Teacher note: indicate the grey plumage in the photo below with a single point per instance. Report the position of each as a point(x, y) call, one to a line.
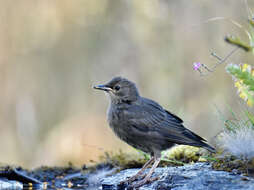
point(143, 123)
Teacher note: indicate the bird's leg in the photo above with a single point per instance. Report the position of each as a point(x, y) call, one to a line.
point(148, 178)
point(147, 164)
point(133, 178)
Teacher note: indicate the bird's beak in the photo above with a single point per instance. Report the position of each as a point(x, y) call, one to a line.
point(102, 87)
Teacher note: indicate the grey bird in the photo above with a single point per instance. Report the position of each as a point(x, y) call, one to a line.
point(145, 125)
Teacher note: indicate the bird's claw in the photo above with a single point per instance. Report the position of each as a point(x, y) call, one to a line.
point(131, 179)
point(142, 182)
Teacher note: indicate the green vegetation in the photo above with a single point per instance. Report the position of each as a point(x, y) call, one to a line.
point(236, 141)
point(243, 75)
point(177, 156)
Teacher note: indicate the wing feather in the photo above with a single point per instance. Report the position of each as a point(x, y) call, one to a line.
point(154, 119)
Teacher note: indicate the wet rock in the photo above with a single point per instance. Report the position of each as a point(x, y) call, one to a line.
point(6, 184)
point(197, 176)
point(15, 178)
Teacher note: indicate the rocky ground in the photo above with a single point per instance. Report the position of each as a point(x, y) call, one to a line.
point(198, 176)
point(191, 176)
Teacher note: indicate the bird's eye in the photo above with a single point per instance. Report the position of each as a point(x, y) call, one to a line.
point(117, 88)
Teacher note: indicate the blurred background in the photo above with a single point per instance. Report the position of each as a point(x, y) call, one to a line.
point(52, 52)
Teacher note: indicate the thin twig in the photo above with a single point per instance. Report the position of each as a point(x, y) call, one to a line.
point(225, 58)
point(173, 161)
point(216, 56)
point(221, 61)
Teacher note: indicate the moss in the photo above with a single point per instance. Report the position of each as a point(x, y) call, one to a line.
point(187, 154)
point(230, 163)
point(177, 156)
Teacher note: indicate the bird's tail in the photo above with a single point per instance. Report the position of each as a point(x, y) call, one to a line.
point(198, 141)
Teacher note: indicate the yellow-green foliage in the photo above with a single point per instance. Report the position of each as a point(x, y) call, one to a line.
point(176, 156)
point(185, 154)
point(123, 160)
point(244, 81)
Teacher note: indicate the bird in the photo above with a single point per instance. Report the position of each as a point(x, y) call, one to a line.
point(145, 125)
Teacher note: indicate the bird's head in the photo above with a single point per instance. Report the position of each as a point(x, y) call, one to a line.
point(120, 90)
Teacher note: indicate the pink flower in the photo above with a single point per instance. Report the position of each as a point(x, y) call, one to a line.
point(196, 65)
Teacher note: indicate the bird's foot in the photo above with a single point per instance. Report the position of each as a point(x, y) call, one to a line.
point(131, 179)
point(143, 182)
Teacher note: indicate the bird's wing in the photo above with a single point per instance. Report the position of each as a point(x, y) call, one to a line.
point(154, 119)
